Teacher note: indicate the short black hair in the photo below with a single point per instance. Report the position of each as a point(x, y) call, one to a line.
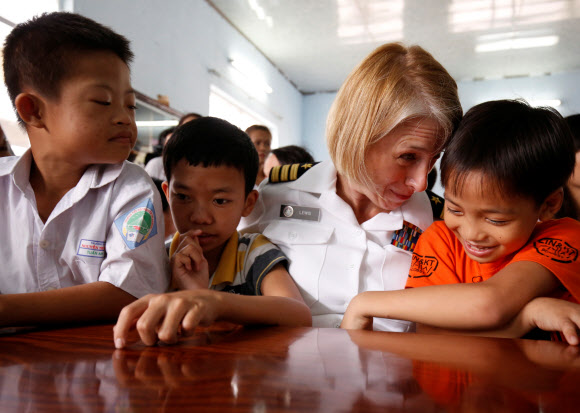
point(290, 154)
point(40, 52)
point(431, 178)
point(159, 185)
point(521, 150)
point(573, 122)
point(212, 142)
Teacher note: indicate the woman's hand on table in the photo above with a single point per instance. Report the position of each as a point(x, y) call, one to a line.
point(165, 317)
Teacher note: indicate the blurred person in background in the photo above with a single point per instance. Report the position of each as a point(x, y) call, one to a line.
point(262, 139)
point(286, 155)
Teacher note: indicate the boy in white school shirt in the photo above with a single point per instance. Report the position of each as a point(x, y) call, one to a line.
point(82, 229)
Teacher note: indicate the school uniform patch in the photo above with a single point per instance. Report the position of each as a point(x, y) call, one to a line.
point(406, 238)
point(556, 250)
point(422, 266)
point(90, 248)
point(139, 225)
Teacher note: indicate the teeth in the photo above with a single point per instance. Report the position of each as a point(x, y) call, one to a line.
point(473, 247)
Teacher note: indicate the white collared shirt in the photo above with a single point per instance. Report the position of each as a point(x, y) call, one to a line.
point(334, 258)
point(109, 227)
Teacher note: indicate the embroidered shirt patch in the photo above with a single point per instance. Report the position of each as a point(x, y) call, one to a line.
point(138, 225)
point(406, 238)
point(89, 248)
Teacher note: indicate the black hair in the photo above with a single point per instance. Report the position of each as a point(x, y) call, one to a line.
point(290, 154)
point(521, 150)
point(212, 142)
point(40, 52)
point(431, 178)
point(188, 115)
point(158, 183)
point(573, 122)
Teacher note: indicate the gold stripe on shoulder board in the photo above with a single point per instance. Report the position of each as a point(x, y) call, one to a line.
point(288, 173)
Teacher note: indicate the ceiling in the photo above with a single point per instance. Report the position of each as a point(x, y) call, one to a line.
point(316, 43)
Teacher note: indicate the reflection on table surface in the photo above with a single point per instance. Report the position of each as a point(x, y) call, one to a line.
point(230, 368)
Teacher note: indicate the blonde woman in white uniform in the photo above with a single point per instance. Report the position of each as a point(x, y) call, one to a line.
point(349, 225)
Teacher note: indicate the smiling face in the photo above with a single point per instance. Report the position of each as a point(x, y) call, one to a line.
point(92, 121)
point(209, 199)
point(398, 163)
point(489, 226)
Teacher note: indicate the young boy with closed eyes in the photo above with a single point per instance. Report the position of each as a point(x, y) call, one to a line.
point(497, 249)
point(211, 167)
point(82, 229)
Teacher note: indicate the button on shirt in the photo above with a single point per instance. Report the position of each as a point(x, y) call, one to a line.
point(334, 258)
point(89, 236)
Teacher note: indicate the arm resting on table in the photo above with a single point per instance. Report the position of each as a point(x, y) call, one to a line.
point(482, 306)
point(98, 301)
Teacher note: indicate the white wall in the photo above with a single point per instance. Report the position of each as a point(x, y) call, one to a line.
point(175, 44)
point(315, 109)
point(563, 86)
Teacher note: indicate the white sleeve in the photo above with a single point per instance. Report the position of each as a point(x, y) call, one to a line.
point(136, 260)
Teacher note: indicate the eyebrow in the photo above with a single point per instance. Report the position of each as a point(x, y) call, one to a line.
point(179, 185)
point(488, 210)
point(406, 146)
point(103, 86)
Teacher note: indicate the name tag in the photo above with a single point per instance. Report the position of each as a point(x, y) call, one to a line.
point(90, 248)
point(299, 212)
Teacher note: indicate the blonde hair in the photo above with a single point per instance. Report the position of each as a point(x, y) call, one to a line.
point(391, 85)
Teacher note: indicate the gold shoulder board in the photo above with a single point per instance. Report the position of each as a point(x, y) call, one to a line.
point(287, 173)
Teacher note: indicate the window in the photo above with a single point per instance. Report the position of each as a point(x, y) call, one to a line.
point(221, 105)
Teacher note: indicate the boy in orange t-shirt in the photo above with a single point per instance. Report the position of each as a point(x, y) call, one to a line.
point(503, 171)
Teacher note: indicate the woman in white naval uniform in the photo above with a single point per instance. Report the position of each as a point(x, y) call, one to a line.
point(349, 225)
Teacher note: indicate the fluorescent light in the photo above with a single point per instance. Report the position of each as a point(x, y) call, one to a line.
point(517, 43)
point(545, 102)
point(251, 76)
point(152, 123)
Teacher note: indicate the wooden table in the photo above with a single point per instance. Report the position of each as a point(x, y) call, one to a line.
point(277, 369)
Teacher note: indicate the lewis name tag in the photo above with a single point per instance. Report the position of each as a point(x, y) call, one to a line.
point(299, 212)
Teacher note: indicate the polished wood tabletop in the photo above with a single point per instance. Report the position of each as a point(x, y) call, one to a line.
point(274, 369)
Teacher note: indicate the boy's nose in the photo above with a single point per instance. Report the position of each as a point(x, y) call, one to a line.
point(201, 216)
point(124, 116)
point(471, 232)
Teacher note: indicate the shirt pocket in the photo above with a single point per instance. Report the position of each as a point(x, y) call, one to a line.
point(305, 245)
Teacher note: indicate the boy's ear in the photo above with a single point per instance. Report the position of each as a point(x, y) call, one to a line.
point(551, 205)
point(251, 200)
point(30, 109)
point(165, 187)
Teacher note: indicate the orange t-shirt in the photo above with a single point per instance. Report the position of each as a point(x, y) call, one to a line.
point(439, 257)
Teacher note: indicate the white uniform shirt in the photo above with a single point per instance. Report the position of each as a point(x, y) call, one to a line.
point(109, 227)
point(332, 259)
point(155, 168)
